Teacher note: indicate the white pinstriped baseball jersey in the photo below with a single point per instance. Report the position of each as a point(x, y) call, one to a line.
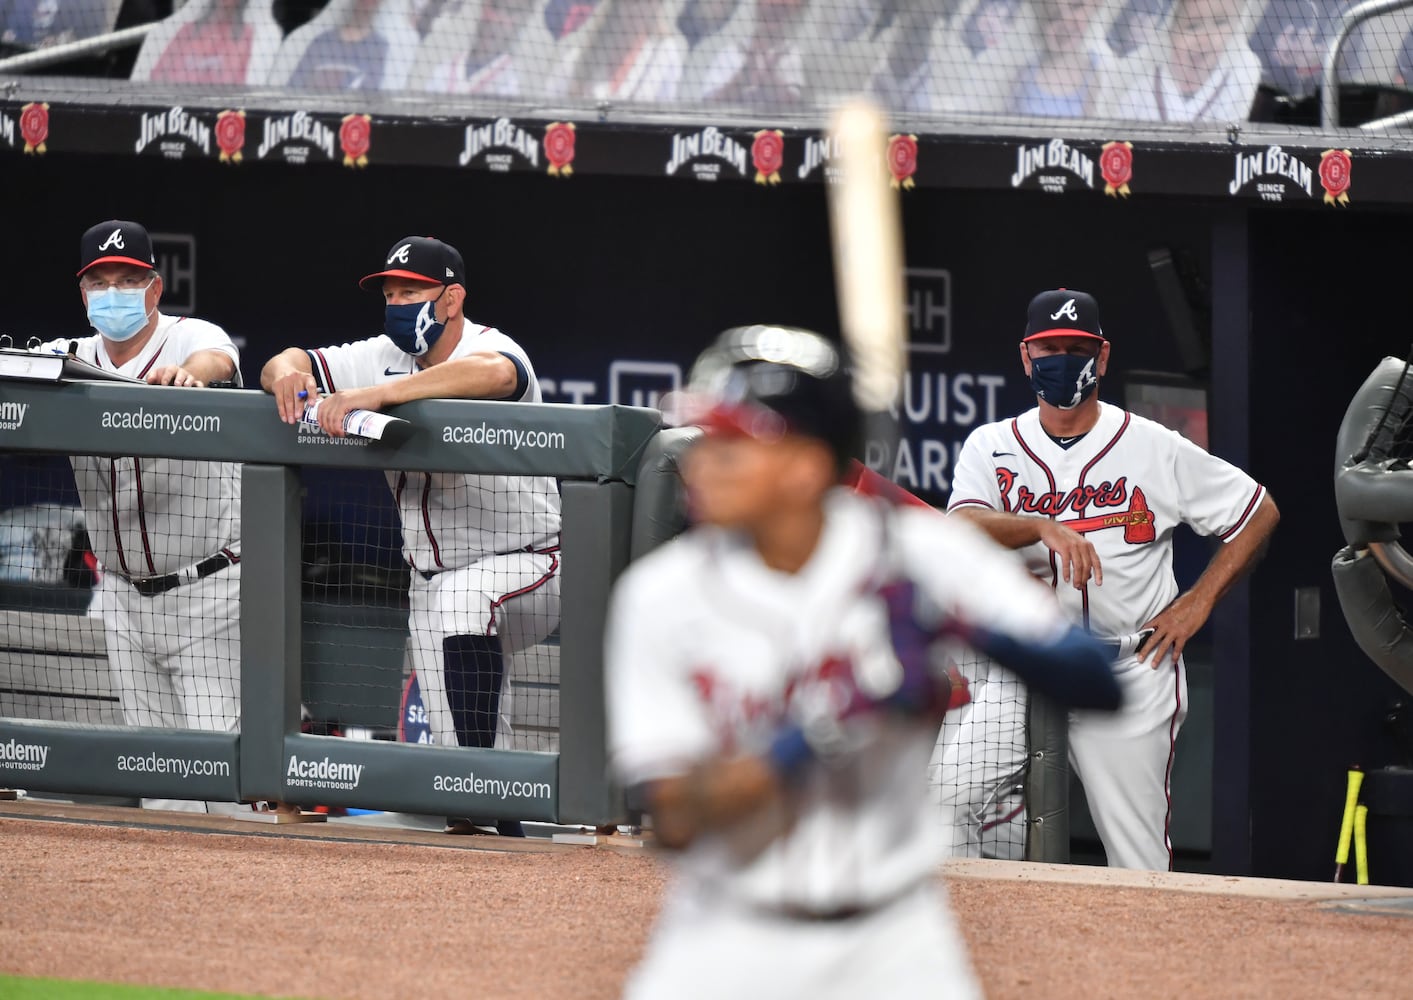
point(708, 648)
point(153, 516)
point(451, 520)
point(1126, 485)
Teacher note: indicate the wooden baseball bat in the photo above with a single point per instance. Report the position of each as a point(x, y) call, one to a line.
point(1346, 828)
point(867, 233)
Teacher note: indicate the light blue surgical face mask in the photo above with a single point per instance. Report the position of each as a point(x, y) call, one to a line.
point(119, 313)
point(413, 327)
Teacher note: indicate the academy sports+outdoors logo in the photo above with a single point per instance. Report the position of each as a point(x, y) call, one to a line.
point(325, 773)
point(17, 756)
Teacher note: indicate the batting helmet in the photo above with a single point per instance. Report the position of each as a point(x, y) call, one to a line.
point(767, 381)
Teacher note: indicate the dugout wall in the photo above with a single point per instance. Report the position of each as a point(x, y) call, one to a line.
point(613, 283)
point(596, 458)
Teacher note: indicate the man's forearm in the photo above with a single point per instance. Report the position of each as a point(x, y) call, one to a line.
point(479, 376)
point(1012, 531)
point(288, 360)
point(711, 795)
point(211, 366)
point(1236, 558)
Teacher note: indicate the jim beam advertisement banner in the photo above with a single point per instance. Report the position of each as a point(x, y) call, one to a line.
point(505, 145)
point(1277, 174)
point(175, 133)
point(1056, 166)
point(297, 137)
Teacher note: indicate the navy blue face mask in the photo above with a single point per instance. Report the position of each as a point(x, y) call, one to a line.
point(1064, 380)
point(413, 327)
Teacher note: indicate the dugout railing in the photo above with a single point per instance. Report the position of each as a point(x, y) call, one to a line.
point(597, 452)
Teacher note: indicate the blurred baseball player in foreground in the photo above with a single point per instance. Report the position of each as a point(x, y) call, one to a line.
point(167, 531)
point(1090, 494)
point(775, 681)
point(484, 550)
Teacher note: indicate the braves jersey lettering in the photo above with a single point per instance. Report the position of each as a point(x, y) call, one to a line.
point(1054, 503)
point(1125, 486)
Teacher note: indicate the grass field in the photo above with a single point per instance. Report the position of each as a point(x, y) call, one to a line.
point(15, 988)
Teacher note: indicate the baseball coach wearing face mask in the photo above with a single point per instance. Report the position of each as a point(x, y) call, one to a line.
point(483, 550)
point(167, 531)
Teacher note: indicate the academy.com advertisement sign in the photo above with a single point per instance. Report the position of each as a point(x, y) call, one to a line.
point(421, 778)
point(179, 765)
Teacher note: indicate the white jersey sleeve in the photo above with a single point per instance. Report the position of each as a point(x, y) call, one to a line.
point(190, 335)
point(656, 724)
point(974, 481)
point(1215, 497)
point(351, 366)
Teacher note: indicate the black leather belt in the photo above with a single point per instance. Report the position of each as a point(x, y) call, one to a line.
point(153, 585)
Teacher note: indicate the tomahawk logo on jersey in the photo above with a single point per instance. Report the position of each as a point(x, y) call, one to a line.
point(1125, 485)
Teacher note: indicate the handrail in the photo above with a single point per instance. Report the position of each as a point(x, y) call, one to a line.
point(40, 58)
point(1329, 85)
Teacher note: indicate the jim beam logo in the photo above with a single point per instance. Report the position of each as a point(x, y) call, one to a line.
point(1116, 165)
point(230, 135)
point(1053, 165)
point(559, 149)
point(500, 145)
point(768, 155)
point(1271, 173)
point(297, 137)
point(709, 153)
point(173, 133)
point(34, 127)
point(1335, 168)
point(820, 152)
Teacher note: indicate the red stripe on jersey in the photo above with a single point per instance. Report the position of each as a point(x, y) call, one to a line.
point(231, 556)
point(1250, 507)
point(152, 361)
point(1102, 452)
point(1168, 773)
point(142, 517)
point(117, 532)
point(970, 502)
point(427, 519)
point(397, 502)
point(549, 575)
point(1003, 819)
point(327, 376)
point(1050, 476)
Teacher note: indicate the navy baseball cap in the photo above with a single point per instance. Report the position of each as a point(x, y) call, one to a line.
point(1063, 312)
point(421, 258)
point(116, 242)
